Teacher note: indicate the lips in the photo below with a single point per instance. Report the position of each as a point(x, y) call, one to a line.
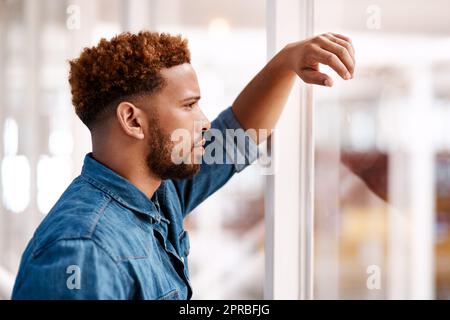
point(201, 143)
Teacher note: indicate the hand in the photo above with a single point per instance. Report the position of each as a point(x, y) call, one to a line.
point(332, 49)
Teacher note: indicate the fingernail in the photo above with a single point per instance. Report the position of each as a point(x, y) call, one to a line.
point(328, 83)
point(348, 76)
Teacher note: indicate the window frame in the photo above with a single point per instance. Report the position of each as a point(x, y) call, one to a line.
point(289, 203)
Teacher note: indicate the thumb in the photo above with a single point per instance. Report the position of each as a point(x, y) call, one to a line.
point(316, 77)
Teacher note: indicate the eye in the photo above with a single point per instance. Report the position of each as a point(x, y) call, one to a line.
point(191, 105)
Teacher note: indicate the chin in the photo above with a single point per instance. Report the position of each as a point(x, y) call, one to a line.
point(180, 172)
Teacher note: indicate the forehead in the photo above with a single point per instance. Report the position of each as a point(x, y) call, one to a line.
point(181, 81)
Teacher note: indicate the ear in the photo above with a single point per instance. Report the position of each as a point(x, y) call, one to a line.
point(130, 119)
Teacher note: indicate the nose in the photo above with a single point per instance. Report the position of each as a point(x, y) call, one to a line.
point(206, 124)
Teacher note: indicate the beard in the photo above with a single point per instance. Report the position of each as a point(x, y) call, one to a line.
point(159, 160)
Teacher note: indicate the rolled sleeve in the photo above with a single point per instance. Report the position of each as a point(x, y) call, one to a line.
point(243, 149)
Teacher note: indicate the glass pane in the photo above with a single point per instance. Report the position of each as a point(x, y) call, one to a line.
point(382, 154)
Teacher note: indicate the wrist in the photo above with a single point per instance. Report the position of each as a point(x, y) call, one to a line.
point(282, 62)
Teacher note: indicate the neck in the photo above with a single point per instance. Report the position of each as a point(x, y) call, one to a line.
point(129, 167)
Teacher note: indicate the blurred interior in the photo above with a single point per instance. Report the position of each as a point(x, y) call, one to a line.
point(389, 126)
point(43, 143)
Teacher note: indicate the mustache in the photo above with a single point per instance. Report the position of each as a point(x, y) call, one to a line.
point(199, 141)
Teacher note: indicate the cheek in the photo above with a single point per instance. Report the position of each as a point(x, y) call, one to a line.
point(181, 139)
point(187, 124)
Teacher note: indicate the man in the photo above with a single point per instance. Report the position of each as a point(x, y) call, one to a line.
point(117, 231)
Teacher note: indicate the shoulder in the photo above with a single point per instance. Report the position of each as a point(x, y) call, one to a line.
point(85, 212)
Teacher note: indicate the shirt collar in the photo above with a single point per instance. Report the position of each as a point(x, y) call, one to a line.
point(120, 189)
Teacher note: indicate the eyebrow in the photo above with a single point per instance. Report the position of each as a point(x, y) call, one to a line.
point(191, 98)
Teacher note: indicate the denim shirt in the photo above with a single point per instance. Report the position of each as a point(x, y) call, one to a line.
point(105, 239)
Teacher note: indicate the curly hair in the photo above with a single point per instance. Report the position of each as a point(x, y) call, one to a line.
point(119, 69)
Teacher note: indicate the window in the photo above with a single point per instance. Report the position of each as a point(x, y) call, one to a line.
point(374, 152)
point(391, 119)
point(358, 202)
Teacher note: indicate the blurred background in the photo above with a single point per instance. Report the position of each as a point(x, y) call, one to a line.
point(43, 143)
point(382, 219)
point(391, 126)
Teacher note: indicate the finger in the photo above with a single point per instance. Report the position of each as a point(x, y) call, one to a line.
point(340, 36)
point(348, 46)
point(330, 59)
point(315, 77)
point(344, 43)
point(347, 40)
point(340, 51)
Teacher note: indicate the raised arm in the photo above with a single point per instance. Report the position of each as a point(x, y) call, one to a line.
point(260, 104)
